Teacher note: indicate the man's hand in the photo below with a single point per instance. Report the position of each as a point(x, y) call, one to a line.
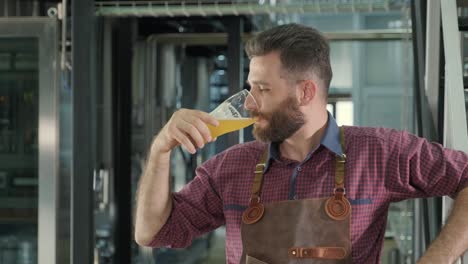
point(187, 128)
point(154, 200)
point(452, 241)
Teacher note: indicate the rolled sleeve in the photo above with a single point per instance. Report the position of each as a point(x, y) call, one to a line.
point(196, 209)
point(464, 181)
point(419, 168)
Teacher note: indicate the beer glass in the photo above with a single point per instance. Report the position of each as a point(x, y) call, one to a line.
point(233, 113)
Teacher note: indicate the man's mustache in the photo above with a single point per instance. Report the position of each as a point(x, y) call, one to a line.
point(256, 114)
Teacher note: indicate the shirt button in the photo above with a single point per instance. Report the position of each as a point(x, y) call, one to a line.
point(299, 168)
point(295, 197)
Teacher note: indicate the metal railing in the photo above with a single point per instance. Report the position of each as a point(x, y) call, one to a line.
point(187, 8)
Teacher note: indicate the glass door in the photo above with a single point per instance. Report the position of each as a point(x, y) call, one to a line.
point(19, 112)
point(28, 140)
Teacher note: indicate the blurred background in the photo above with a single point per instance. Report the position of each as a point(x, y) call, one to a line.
point(85, 85)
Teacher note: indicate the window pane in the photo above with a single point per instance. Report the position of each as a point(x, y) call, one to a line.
point(344, 113)
point(341, 61)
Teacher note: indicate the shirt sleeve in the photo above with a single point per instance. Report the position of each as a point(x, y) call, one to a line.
point(196, 209)
point(417, 168)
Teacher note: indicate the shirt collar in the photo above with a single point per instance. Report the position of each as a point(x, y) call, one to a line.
point(330, 140)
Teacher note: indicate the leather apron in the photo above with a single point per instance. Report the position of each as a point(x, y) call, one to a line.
point(312, 231)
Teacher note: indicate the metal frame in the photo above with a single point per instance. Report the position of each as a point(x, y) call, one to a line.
point(455, 132)
point(83, 135)
point(190, 39)
point(424, 123)
point(121, 142)
point(45, 30)
point(235, 71)
point(433, 205)
point(186, 8)
point(432, 58)
point(419, 47)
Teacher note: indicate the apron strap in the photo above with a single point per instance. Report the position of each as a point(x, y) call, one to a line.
point(256, 209)
point(340, 165)
point(317, 252)
point(258, 180)
point(339, 171)
point(338, 207)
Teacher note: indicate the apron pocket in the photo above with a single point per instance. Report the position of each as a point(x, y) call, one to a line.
point(252, 260)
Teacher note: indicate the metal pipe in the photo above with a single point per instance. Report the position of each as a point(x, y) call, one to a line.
point(5, 9)
point(242, 7)
point(201, 39)
point(168, 84)
point(63, 14)
point(18, 9)
point(432, 58)
point(35, 8)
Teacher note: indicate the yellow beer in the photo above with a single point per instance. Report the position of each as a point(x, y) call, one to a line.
point(229, 125)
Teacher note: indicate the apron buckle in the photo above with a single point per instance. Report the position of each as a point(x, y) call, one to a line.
point(255, 199)
point(259, 168)
point(340, 190)
point(342, 158)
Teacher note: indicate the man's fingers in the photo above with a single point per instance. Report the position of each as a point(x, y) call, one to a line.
point(185, 142)
point(201, 120)
point(190, 129)
point(208, 119)
point(194, 133)
point(203, 129)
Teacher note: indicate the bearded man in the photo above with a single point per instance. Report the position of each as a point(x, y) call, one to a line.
point(306, 191)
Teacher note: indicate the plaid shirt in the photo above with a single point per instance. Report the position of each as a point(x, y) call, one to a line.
point(383, 166)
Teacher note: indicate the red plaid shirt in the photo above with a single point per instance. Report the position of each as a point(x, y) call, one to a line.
point(383, 166)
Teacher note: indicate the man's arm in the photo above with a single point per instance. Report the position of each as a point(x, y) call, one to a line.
point(452, 241)
point(154, 201)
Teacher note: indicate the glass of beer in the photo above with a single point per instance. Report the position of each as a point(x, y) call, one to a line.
point(233, 113)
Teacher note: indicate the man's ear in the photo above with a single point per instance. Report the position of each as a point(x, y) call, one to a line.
point(307, 92)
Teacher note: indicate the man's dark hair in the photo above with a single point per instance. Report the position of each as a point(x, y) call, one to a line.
point(302, 49)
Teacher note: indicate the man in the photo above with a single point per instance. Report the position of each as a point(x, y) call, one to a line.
point(319, 194)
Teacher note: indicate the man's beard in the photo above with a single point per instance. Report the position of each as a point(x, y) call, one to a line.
point(282, 122)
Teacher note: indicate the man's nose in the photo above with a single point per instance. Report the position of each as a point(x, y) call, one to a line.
point(251, 103)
